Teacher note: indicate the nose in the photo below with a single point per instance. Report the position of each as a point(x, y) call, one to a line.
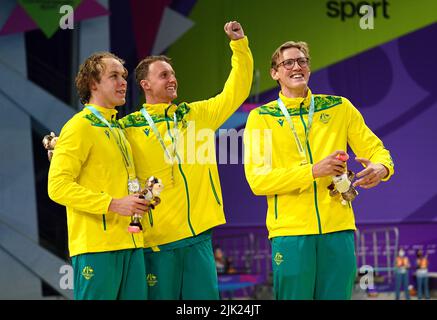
point(296, 66)
point(123, 81)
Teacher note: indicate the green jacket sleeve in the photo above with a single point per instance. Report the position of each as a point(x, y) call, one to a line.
point(215, 111)
point(364, 143)
point(263, 176)
point(71, 152)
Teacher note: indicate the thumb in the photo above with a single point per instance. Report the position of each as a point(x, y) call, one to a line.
point(365, 162)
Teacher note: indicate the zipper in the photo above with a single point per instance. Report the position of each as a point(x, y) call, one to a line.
point(213, 188)
point(314, 182)
point(187, 194)
point(276, 206)
point(104, 221)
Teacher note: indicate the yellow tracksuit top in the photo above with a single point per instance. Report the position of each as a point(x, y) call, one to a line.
point(298, 204)
point(86, 172)
point(192, 201)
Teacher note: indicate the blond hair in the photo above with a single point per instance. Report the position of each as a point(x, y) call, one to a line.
point(301, 45)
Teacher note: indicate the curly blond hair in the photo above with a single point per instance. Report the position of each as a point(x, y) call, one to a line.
point(91, 71)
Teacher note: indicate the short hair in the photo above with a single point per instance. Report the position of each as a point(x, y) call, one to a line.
point(301, 45)
point(91, 70)
point(142, 69)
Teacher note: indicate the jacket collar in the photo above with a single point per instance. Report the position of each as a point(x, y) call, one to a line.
point(294, 103)
point(160, 109)
point(108, 114)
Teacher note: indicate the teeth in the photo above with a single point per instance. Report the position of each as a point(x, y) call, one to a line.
point(297, 76)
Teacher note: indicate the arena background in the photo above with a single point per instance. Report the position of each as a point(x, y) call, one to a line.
point(387, 72)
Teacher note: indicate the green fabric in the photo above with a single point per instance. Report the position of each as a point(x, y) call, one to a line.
point(187, 273)
point(319, 267)
point(110, 275)
point(183, 242)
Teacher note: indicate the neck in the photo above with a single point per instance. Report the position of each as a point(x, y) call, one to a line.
point(153, 100)
point(295, 93)
point(100, 103)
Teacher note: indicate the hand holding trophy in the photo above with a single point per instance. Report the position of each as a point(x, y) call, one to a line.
point(49, 143)
point(342, 184)
point(151, 193)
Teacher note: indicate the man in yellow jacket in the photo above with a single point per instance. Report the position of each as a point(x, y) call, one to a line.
point(176, 144)
point(92, 173)
point(292, 150)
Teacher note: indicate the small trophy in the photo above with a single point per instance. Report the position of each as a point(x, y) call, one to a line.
point(49, 143)
point(342, 184)
point(151, 194)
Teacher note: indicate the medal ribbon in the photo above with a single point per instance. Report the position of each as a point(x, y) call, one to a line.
point(158, 135)
point(121, 141)
point(299, 146)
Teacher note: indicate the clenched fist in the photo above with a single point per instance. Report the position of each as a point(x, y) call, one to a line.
point(234, 30)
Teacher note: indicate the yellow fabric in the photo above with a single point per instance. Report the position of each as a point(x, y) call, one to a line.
point(298, 204)
point(192, 202)
point(86, 171)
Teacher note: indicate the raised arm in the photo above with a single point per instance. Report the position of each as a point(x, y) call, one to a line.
point(215, 111)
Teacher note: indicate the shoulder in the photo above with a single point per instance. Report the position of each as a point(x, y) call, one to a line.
point(271, 108)
point(182, 110)
point(134, 119)
point(326, 101)
point(80, 121)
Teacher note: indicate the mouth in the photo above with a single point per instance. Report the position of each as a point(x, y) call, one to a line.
point(171, 88)
point(298, 76)
point(122, 92)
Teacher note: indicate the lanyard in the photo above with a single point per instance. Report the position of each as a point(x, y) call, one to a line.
point(121, 142)
point(300, 148)
point(158, 135)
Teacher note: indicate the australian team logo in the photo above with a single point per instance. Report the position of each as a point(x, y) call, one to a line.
point(325, 117)
point(278, 258)
point(87, 272)
point(151, 279)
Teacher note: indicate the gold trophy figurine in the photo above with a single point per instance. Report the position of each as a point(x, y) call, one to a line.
point(49, 143)
point(151, 194)
point(342, 184)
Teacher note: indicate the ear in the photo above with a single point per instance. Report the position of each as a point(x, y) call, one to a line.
point(145, 84)
point(274, 74)
point(93, 86)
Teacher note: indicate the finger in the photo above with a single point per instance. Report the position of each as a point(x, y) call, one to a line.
point(364, 182)
point(369, 185)
point(236, 27)
point(364, 172)
point(338, 170)
point(141, 208)
point(337, 162)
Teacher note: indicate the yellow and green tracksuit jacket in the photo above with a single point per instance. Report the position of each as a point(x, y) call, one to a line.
point(86, 172)
point(298, 204)
point(192, 201)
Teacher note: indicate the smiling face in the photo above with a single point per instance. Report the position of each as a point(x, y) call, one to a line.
point(160, 85)
point(110, 91)
point(293, 80)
